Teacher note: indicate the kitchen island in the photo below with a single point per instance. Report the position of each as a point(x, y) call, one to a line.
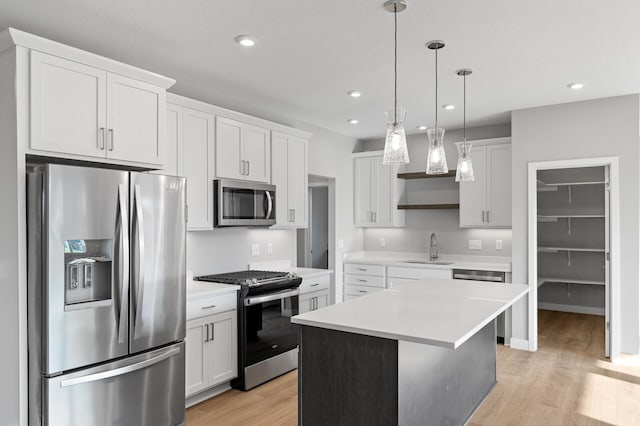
point(419, 354)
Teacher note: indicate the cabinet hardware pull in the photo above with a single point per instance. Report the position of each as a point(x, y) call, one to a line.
point(111, 141)
point(362, 269)
point(362, 291)
point(101, 138)
point(213, 336)
point(482, 216)
point(207, 332)
point(488, 220)
point(209, 307)
point(314, 285)
point(362, 281)
point(248, 168)
point(294, 214)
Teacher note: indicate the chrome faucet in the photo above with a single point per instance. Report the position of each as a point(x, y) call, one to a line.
point(433, 248)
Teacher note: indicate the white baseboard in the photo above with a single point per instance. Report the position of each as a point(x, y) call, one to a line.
point(625, 359)
point(206, 394)
point(589, 310)
point(520, 344)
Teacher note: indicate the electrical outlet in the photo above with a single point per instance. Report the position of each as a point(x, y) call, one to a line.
point(383, 241)
point(498, 244)
point(475, 244)
point(269, 248)
point(255, 249)
point(341, 244)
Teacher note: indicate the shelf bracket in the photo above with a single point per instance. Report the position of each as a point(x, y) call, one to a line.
point(569, 290)
point(568, 226)
point(569, 258)
point(569, 191)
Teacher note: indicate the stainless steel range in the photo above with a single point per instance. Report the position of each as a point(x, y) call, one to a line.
point(267, 340)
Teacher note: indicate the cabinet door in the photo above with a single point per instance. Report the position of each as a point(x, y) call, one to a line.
point(297, 182)
point(279, 177)
point(305, 303)
point(229, 149)
point(196, 362)
point(223, 348)
point(384, 210)
point(135, 120)
point(363, 190)
point(198, 163)
point(322, 299)
point(257, 153)
point(173, 164)
point(67, 106)
point(499, 185)
point(473, 194)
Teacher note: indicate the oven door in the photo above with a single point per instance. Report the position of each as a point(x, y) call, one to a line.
point(268, 328)
point(240, 203)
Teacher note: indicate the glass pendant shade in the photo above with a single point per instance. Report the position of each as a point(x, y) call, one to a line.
point(464, 171)
point(395, 143)
point(436, 158)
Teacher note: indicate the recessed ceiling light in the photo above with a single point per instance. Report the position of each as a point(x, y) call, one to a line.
point(246, 40)
point(448, 107)
point(353, 121)
point(421, 127)
point(575, 86)
point(354, 93)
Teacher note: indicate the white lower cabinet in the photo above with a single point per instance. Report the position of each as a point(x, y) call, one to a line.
point(211, 350)
point(314, 293)
point(400, 275)
point(361, 279)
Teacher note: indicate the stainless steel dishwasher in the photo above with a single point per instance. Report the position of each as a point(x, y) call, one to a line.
point(492, 276)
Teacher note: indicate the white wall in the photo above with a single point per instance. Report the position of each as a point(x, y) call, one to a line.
point(596, 128)
point(445, 223)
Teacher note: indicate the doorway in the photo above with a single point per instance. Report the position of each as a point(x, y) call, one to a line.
point(315, 244)
point(573, 240)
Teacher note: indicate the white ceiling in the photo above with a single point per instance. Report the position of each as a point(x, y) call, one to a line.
point(310, 52)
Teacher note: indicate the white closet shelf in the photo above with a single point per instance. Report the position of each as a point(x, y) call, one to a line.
point(545, 249)
point(542, 280)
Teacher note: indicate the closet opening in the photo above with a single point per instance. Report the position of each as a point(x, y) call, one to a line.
point(570, 258)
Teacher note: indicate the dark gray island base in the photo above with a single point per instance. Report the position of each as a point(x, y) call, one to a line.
point(355, 379)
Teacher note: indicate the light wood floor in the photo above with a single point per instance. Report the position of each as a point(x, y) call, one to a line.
point(566, 382)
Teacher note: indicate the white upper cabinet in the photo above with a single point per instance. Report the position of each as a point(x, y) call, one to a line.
point(486, 202)
point(135, 120)
point(68, 106)
point(190, 153)
point(289, 175)
point(377, 191)
point(81, 111)
point(243, 151)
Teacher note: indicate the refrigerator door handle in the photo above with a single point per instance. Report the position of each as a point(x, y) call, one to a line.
point(120, 371)
point(123, 261)
point(139, 285)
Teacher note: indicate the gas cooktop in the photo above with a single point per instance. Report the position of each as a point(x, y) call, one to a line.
point(251, 278)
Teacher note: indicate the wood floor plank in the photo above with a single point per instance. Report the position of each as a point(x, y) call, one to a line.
point(568, 381)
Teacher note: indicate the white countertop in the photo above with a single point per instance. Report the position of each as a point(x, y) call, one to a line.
point(200, 289)
point(435, 312)
point(483, 263)
point(310, 272)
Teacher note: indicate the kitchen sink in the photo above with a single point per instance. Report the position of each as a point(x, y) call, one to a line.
point(426, 262)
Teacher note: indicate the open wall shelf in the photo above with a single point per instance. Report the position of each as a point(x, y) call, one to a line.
point(423, 175)
point(428, 206)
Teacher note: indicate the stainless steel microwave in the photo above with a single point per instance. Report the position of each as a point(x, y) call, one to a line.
point(240, 203)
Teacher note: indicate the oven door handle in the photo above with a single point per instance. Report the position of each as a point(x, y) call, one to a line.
point(250, 301)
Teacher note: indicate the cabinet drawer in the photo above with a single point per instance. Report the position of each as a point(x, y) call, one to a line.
point(418, 273)
point(366, 280)
point(363, 269)
point(314, 284)
point(359, 290)
point(211, 305)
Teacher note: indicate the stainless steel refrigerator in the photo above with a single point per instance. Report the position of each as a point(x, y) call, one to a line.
point(106, 274)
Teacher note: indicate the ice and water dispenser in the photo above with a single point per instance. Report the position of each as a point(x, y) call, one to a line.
point(88, 269)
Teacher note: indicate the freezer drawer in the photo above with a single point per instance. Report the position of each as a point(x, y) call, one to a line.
point(146, 389)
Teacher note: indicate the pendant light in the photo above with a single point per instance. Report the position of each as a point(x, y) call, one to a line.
point(436, 158)
point(395, 143)
point(464, 171)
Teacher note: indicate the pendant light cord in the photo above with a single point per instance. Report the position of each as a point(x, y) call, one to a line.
point(464, 110)
point(395, 65)
point(436, 127)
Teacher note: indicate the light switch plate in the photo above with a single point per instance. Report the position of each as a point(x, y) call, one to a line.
point(383, 241)
point(340, 243)
point(269, 248)
point(255, 249)
point(475, 244)
point(498, 244)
